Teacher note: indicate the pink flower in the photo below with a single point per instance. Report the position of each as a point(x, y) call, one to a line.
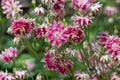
point(81, 76)
point(115, 77)
point(110, 11)
point(30, 65)
point(53, 62)
point(40, 32)
point(59, 1)
point(91, 1)
point(22, 27)
point(56, 34)
point(6, 76)
point(39, 11)
point(82, 21)
point(102, 37)
point(81, 4)
point(95, 7)
point(11, 8)
point(9, 54)
point(21, 74)
point(57, 9)
point(75, 34)
point(63, 66)
point(113, 45)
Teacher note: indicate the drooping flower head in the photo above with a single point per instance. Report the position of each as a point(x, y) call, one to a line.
point(53, 62)
point(22, 26)
point(40, 31)
point(81, 4)
point(11, 7)
point(113, 45)
point(95, 7)
point(91, 1)
point(30, 64)
point(56, 34)
point(110, 11)
point(6, 76)
point(20, 74)
point(102, 37)
point(82, 76)
point(75, 34)
point(9, 54)
point(39, 11)
point(57, 9)
point(59, 1)
point(82, 21)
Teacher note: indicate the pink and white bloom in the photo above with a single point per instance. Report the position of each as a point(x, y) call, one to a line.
point(59, 1)
point(82, 76)
point(21, 74)
point(57, 9)
point(53, 62)
point(9, 54)
point(39, 11)
point(30, 64)
point(40, 31)
point(22, 26)
point(115, 77)
point(95, 7)
point(75, 34)
point(113, 45)
point(6, 76)
point(102, 37)
point(91, 1)
point(81, 4)
point(82, 21)
point(11, 8)
point(110, 11)
point(56, 34)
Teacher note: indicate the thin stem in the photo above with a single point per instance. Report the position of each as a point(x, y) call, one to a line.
point(29, 46)
point(30, 75)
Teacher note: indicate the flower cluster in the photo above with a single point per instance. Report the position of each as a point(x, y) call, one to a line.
point(63, 43)
point(11, 8)
point(13, 76)
point(85, 5)
point(9, 54)
point(110, 11)
point(54, 62)
point(22, 26)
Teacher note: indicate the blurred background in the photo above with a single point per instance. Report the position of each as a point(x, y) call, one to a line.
point(102, 22)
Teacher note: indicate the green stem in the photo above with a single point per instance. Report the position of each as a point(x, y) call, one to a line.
point(30, 75)
point(29, 46)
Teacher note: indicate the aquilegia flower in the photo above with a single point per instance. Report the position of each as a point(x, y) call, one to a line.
point(6, 76)
point(95, 7)
point(11, 7)
point(21, 74)
point(22, 26)
point(81, 4)
point(57, 8)
point(40, 31)
point(53, 62)
point(82, 21)
point(9, 54)
point(102, 37)
point(75, 34)
point(110, 11)
point(113, 45)
point(56, 34)
point(39, 11)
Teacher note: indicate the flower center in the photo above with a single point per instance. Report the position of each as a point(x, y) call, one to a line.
point(57, 34)
point(115, 46)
